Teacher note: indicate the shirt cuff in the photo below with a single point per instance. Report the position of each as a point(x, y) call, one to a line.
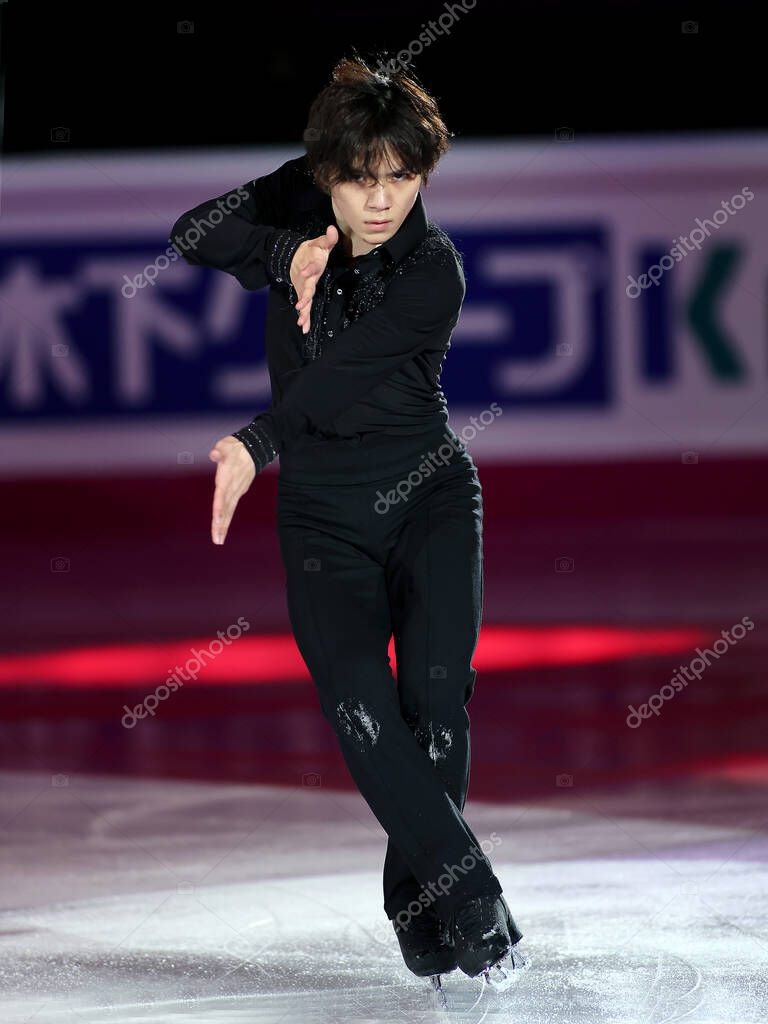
point(281, 248)
point(259, 440)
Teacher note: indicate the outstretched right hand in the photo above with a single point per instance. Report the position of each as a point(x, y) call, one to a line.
point(307, 266)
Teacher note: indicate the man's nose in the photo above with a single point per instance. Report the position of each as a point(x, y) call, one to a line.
point(379, 200)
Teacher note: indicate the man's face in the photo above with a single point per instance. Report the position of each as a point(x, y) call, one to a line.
point(358, 204)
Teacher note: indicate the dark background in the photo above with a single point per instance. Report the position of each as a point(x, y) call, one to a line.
point(123, 77)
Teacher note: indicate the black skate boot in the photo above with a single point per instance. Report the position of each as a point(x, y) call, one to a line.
point(483, 932)
point(425, 945)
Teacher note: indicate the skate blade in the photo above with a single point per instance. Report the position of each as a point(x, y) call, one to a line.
point(507, 971)
point(439, 991)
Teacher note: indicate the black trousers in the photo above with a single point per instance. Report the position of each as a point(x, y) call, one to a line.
point(398, 556)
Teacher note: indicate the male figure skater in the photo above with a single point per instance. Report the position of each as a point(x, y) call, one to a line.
point(379, 510)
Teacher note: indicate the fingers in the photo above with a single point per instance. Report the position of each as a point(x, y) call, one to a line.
point(308, 287)
point(222, 515)
point(303, 320)
point(327, 240)
point(308, 290)
point(224, 503)
point(304, 305)
point(306, 297)
point(304, 316)
point(311, 272)
point(221, 520)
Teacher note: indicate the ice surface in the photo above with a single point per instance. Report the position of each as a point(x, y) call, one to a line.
point(128, 900)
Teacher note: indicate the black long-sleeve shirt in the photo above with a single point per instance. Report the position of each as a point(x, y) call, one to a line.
point(364, 383)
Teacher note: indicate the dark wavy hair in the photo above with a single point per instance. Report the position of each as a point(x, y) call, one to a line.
point(362, 112)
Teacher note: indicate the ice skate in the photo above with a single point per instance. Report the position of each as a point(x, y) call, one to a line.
point(503, 974)
point(425, 945)
point(483, 933)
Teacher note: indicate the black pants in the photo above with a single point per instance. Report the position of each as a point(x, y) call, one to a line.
point(359, 568)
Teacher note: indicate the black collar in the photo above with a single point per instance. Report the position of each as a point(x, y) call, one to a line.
point(410, 233)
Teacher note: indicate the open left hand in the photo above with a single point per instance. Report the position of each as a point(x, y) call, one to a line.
point(235, 471)
point(307, 267)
